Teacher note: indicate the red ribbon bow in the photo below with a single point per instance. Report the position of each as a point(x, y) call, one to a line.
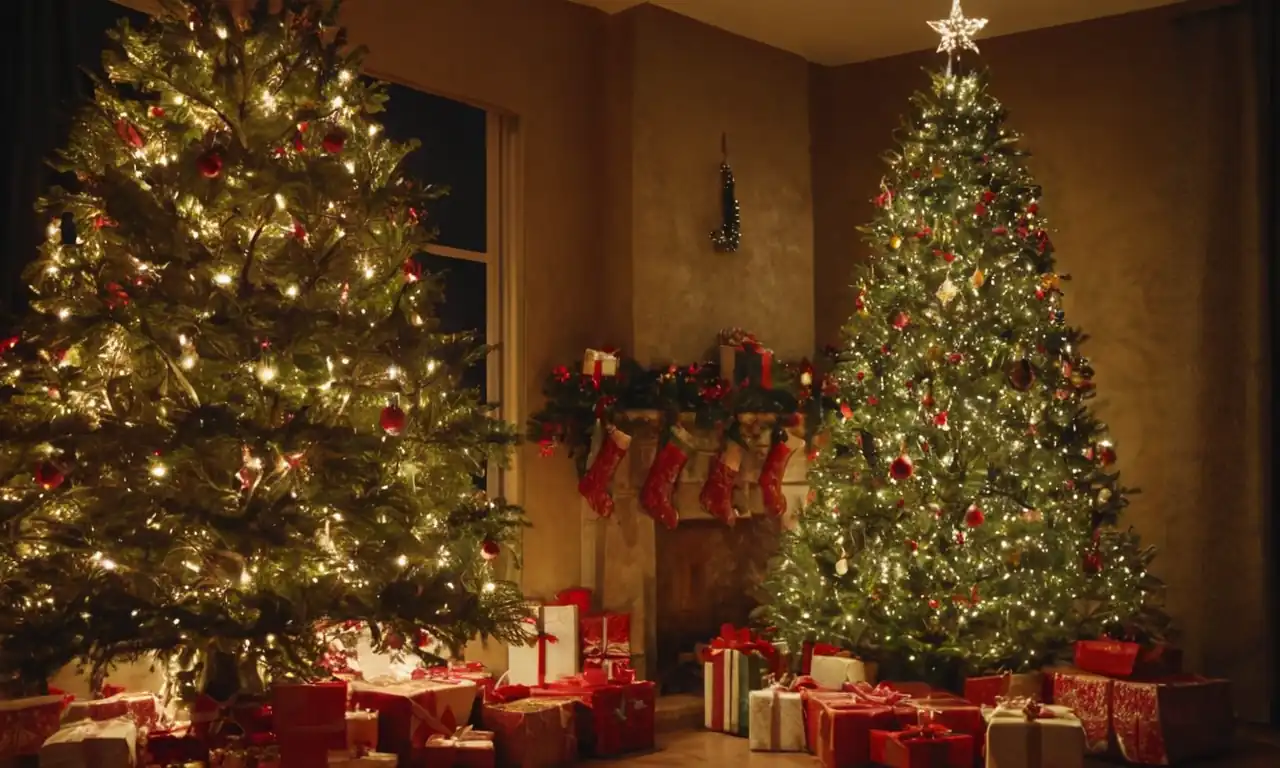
point(931, 731)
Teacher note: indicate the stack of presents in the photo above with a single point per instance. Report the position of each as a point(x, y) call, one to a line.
point(570, 694)
point(1119, 700)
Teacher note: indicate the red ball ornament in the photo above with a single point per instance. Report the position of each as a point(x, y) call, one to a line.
point(490, 549)
point(861, 375)
point(873, 400)
point(940, 419)
point(392, 420)
point(1033, 209)
point(299, 231)
point(333, 142)
point(49, 475)
point(210, 164)
point(955, 358)
point(1092, 562)
point(902, 468)
point(412, 270)
point(980, 209)
point(1106, 455)
point(960, 538)
point(988, 197)
point(933, 603)
point(9, 343)
point(129, 134)
point(973, 516)
point(901, 320)
point(912, 545)
point(157, 111)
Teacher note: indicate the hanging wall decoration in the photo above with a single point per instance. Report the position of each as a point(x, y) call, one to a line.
point(727, 238)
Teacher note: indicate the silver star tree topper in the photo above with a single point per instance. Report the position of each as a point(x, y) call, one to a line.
point(957, 32)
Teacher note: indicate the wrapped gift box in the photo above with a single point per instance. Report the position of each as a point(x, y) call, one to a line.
point(92, 744)
point(1089, 697)
point(362, 731)
point(464, 749)
point(598, 711)
point(597, 363)
point(214, 722)
point(639, 721)
point(954, 714)
point(905, 706)
point(141, 708)
point(1114, 658)
point(464, 670)
point(776, 721)
point(1173, 720)
point(922, 747)
point(310, 720)
point(553, 650)
point(238, 755)
point(728, 679)
point(25, 724)
point(1024, 734)
point(533, 733)
point(347, 759)
point(747, 363)
point(984, 690)
point(834, 671)
point(844, 731)
point(812, 701)
point(411, 712)
point(606, 638)
point(172, 745)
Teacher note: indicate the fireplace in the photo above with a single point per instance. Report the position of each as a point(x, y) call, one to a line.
point(680, 586)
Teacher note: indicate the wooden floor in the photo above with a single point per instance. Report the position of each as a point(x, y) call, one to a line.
point(693, 748)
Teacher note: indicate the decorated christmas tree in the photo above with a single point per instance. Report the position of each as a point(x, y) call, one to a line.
point(230, 417)
point(964, 514)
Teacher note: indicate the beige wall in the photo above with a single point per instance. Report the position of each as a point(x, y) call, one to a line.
point(1144, 158)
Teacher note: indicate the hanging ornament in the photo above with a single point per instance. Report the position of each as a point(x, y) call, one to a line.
point(974, 516)
point(885, 198)
point(1092, 562)
point(210, 164)
point(937, 171)
point(842, 566)
point(946, 256)
point(299, 231)
point(49, 475)
point(895, 241)
point(9, 343)
point(334, 141)
point(913, 545)
point(129, 134)
point(412, 270)
point(490, 550)
point(940, 420)
point(947, 291)
point(156, 111)
point(1106, 454)
point(392, 420)
point(901, 320)
point(978, 278)
point(728, 237)
point(902, 468)
point(1021, 375)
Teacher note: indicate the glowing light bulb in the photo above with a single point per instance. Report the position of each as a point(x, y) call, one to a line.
point(373, 129)
point(108, 564)
point(402, 561)
point(222, 278)
point(266, 374)
point(281, 203)
point(337, 102)
point(291, 291)
point(392, 372)
point(351, 166)
point(221, 32)
point(344, 76)
point(159, 470)
point(368, 273)
point(188, 362)
point(489, 587)
point(64, 313)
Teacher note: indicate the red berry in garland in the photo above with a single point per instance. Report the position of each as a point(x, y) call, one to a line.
point(902, 468)
point(490, 549)
point(49, 475)
point(974, 516)
point(334, 141)
point(210, 164)
point(392, 420)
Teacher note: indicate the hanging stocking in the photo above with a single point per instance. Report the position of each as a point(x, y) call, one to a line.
point(775, 465)
point(717, 493)
point(655, 496)
point(594, 486)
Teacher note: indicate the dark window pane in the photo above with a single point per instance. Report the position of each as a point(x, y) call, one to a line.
point(464, 304)
point(453, 154)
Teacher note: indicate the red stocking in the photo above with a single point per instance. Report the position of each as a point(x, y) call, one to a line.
point(717, 493)
point(655, 496)
point(594, 486)
point(775, 465)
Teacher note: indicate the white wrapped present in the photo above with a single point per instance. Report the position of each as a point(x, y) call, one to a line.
point(362, 730)
point(596, 364)
point(776, 721)
point(141, 708)
point(1024, 734)
point(555, 650)
point(832, 672)
point(92, 744)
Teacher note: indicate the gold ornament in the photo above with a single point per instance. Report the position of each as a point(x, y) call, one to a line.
point(947, 291)
point(938, 171)
point(978, 278)
point(1050, 282)
point(895, 242)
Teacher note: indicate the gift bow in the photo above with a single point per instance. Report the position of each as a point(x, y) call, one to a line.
point(742, 640)
point(880, 695)
point(823, 649)
point(1026, 706)
point(930, 731)
point(791, 683)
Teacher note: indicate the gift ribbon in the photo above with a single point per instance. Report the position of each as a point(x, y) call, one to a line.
point(880, 695)
point(775, 720)
point(929, 731)
point(1032, 712)
point(433, 723)
point(742, 640)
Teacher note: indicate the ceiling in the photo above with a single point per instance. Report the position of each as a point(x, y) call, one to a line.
point(844, 31)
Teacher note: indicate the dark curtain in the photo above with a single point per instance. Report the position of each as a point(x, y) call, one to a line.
point(1266, 26)
point(48, 43)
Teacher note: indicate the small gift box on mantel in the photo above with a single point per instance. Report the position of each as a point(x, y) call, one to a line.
point(600, 363)
point(923, 746)
point(743, 361)
point(1022, 733)
point(553, 651)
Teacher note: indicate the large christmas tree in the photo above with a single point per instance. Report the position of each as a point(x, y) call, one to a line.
point(965, 513)
point(230, 416)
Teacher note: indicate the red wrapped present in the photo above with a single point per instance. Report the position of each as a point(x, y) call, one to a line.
point(904, 705)
point(411, 712)
point(812, 702)
point(1089, 697)
point(533, 732)
point(984, 690)
point(598, 711)
point(310, 720)
point(214, 722)
point(844, 731)
point(952, 713)
point(141, 708)
point(26, 723)
point(606, 637)
point(930, 746)
point(464, 749)
point(171, 745)
point(744, 362)
point(1115, 658)
point(1173, 720)
point(639, 723)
